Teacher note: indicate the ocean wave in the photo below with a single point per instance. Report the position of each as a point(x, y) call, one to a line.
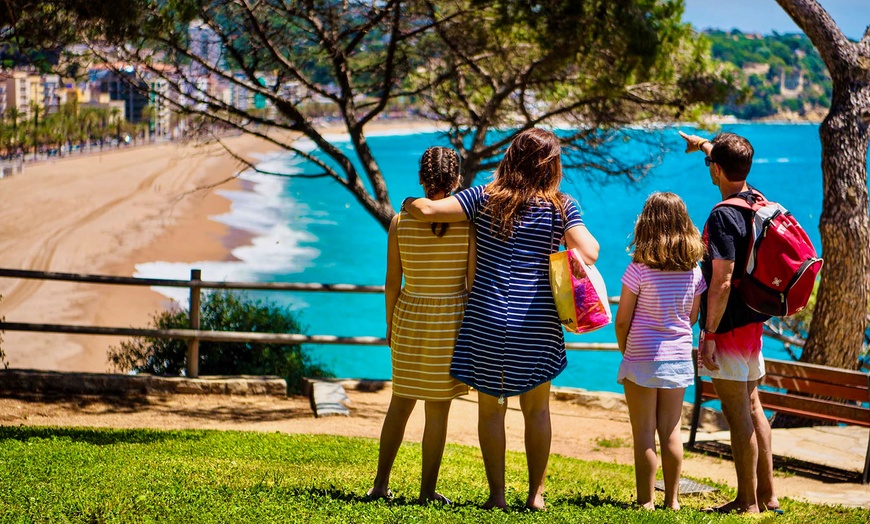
point(275, 247)
point(781, 160)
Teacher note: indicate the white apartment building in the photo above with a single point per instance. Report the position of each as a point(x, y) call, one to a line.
point(206, 45)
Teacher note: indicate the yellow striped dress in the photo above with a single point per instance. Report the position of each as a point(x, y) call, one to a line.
point(429, 311)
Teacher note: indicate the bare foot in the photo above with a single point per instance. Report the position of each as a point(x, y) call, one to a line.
point(377, 494)
point(492, 503)
point(437, 497)
point(649, 506)
point(771, 505)
point(535, 503)
point(732, 506)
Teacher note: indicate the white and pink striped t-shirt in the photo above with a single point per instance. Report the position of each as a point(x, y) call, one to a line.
point(660, 328)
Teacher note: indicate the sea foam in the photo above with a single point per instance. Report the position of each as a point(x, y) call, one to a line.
point(276, 247)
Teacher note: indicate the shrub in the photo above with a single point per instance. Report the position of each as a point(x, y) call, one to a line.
point(222, 311)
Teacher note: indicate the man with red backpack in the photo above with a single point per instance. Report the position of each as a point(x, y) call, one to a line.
point(730, 347)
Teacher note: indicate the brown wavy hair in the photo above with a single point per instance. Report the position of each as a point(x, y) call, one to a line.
point(439, 173)
point(665, 237)
point(530, 172)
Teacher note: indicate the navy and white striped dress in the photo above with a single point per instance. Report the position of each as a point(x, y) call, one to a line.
point(510, 340)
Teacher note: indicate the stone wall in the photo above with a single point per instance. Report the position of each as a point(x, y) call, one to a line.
point(14, 382)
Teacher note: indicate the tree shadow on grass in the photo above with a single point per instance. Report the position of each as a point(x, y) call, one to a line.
point(820, 472)
point(593, 501)
point(397, 500)
point(97, 437)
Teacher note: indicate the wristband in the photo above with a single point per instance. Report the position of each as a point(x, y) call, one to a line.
point(701, 143)
point(708, 335)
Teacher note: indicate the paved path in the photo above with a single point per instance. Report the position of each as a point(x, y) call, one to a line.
point(837, 447)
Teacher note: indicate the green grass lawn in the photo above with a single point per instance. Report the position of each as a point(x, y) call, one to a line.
point(83, 475)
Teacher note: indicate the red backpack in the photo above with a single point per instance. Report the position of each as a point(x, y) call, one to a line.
point(782, 265)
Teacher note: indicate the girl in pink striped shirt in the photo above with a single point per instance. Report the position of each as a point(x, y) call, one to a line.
point(661, 293)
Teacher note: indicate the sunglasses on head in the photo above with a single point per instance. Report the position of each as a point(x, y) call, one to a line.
point(708, 161)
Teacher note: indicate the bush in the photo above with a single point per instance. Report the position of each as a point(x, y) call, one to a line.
point(222, 311)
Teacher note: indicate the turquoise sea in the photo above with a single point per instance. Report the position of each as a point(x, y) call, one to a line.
point(312, 230)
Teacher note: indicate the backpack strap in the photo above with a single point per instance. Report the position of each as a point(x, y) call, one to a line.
point(743, 202)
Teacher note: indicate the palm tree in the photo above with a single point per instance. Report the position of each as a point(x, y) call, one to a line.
point(13, 114)
point(115, 116)
point(34, 109)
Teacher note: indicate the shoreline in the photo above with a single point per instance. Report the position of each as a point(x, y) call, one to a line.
point(104, 214)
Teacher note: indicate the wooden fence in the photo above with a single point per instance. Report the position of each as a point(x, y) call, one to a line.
point(193, 335)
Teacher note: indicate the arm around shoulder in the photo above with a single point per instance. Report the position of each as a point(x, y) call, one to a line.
point(443, 210)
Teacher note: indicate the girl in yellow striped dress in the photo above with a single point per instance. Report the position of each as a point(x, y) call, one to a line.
point(423, 319)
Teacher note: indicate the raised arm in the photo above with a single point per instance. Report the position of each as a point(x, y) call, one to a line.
point(443, 210)
point(697, 143)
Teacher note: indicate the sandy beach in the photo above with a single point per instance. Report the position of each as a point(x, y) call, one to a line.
point(103, 213)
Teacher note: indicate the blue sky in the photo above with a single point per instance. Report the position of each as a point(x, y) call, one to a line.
point(765, 16)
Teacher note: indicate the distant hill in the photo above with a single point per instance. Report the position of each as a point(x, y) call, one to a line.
point(784, 76)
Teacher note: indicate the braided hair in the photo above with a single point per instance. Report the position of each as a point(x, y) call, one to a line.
point(439, 173)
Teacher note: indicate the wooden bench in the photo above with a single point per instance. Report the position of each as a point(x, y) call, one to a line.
point(788, 387)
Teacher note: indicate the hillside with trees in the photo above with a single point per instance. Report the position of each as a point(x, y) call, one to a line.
point(783, 75)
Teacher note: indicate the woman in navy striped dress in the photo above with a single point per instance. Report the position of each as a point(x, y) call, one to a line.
point(510, 342)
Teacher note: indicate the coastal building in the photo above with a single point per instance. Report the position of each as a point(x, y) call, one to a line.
point(123, 85)
point(206, 46)
point(791, 84)
point(2, 93)
point(161, 111)
point(52, 92)
point(19, 93)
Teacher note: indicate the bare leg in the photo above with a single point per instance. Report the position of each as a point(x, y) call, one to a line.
point(535, 405)
point(744, 442)
point(392, 434)
point(490, 431)
point(669, 413)
point(642, 414)
point(765, 494)
point(434, 437)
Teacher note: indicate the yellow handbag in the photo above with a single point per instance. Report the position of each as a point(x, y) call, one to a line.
point(579, 293)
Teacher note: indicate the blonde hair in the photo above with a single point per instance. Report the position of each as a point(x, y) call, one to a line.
point(530, 171)
point(665, 237)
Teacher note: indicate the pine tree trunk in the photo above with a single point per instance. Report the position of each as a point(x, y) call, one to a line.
point(839, 320)
point(837, 331)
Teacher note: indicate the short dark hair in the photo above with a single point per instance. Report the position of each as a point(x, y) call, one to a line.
point(733, 154)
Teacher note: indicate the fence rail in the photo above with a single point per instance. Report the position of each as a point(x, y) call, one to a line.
point(194, 335)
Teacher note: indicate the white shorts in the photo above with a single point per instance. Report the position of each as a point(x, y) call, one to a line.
point(665, 374)
point(738, 353)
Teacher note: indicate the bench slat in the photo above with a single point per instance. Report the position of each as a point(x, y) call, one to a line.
point(816, 408)
point(809, 407)
point(801, 385)
point(842, 377)
point(706, 387)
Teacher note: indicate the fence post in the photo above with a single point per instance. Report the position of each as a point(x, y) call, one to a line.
point(193, 344)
